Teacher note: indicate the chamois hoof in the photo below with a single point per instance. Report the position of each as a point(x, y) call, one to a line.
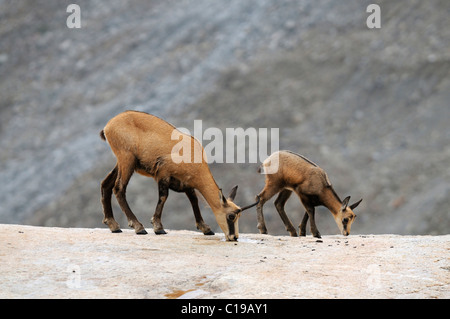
point(209, 233)
point(141, 232)
point(116, 231)
point(262, 229)
point(160, 232)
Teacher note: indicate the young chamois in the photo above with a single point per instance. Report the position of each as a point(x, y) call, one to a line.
point(144, 143)
point(294, 172)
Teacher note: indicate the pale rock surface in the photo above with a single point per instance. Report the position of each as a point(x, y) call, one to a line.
point(44, 262)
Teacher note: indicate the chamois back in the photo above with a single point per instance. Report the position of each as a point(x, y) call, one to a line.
point(295, 170)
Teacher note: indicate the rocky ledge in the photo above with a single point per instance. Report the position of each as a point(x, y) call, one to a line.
point(47, 262)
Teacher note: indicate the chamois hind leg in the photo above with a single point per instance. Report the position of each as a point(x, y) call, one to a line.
point(279, 204)
point(163, 193)
point(199, 222)
point(267, 193)
point(126, 165)
point(107, 189)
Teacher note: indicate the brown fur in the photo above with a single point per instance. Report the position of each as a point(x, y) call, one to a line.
point(142, 142)
point(310, 182)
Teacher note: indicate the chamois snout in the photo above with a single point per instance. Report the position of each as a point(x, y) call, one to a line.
point(347, 216)
point(228, 221)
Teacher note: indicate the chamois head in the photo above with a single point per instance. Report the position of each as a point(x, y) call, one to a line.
point(346, 216)
point(230, 213)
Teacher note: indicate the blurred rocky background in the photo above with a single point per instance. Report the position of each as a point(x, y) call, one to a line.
point(370, 106)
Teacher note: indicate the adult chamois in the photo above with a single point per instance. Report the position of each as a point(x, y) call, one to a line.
point(288, 172)
point(148, 145)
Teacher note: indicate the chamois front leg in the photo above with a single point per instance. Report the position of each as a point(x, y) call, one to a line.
point(302, 226)
point(312, 222)
point(260, 216)
point(264, 196)
point(163, 190)
point(267, 193)
point(199, 222)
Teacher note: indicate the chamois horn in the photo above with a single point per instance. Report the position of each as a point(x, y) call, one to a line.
point(250, 206)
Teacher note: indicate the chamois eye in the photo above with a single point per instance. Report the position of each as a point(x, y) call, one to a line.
point(231, 217)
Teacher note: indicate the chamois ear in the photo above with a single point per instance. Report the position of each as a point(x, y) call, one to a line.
point(354, 205)
point(345, 203)
point(222, 198)
point(233, 193)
